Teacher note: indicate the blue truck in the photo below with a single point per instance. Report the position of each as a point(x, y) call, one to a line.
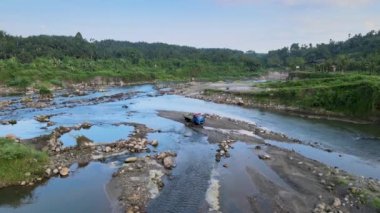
point(195, 118)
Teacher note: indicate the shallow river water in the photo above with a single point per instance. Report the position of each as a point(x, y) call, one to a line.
point(356, 150)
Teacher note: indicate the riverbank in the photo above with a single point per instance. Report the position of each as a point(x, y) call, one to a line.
point(309, 185)
point(247, 94)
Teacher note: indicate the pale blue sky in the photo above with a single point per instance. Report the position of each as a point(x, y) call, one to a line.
point(259, 25)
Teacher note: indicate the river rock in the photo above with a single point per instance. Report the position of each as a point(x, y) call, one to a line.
point(337, 202)
point(218, 157)
point(85, 125)
point(222, 152)
point(161, 156)
point(188, 134)
point(168, 162)
point(107, 149)
point(12, 122)
point(43, 118)
point(155, 143)
point(264, 156)
point(83, 141)
point(50, 123)
point(64, 171)
point(48, 171)
point(131, 160)
point(55, 171)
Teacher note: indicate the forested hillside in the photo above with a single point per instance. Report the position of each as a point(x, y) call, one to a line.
point(358, 53)
point(24, 60)
point(55, 58)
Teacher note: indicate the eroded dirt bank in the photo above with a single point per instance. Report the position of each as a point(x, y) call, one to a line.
point(298, 183)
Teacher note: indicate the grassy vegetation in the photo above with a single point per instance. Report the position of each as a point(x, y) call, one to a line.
point(367, 196)
point(376, 203)
point(18, 159)
point(351, 94)
point(54, 71)
point(355, 95)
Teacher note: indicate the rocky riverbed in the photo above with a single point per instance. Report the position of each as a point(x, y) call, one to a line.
point(308, 185)
point(161, 163)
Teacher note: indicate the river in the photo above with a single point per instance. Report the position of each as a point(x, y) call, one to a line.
point(356, 149)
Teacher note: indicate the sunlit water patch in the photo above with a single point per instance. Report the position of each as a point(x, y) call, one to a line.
point(82, 191)
point(98, 134)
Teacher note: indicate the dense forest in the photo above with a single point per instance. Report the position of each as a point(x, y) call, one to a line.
point(24, 60)
point(359, 53)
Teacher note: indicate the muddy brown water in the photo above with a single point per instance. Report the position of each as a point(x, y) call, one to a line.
point(197, 183)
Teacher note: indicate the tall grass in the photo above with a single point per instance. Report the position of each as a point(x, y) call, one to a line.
point(54, 71)
point(352, 94)
point(18, 159)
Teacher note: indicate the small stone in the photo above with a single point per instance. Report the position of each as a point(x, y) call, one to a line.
point(154, 143)
point(86, 125)
point(321, 206)
point(64, 171)
point(23, 183)
point(130, 160)
point(50, 123)
point(264, 156)
point(168, 162)
point(43, 118)
point(108, 149)
point(27, 174)
point(337, 202)
point(55, 171)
